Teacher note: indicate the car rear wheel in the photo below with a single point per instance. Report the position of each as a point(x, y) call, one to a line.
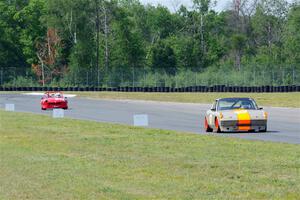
point(206, 126)
point(217, 126)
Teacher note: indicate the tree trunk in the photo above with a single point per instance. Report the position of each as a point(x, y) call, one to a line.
point(269, 38)
point(97, 33)
point(202, 33)
point(43, 70)
point(106, 30)
point(238, 60)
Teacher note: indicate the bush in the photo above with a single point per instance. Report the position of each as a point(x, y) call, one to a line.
point(21, 81)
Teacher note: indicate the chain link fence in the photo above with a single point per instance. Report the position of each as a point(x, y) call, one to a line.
point(145, 77)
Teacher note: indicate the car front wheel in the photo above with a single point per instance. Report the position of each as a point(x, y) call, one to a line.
point(217, 126)
point(264, 130)
point(206, 126)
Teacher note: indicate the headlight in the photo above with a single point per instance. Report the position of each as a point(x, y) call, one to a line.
point(221, 115)
point(265, 115)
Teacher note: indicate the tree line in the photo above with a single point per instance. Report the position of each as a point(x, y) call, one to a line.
point(70, 41)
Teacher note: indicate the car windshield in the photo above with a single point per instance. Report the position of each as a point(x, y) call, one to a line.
point(230, 104)
point(58, 95)
point(55, 95)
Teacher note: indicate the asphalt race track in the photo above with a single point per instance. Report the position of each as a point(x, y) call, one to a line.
point(283, 124)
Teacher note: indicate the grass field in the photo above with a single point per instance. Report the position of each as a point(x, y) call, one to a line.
point(264, 99)
point(45, 158)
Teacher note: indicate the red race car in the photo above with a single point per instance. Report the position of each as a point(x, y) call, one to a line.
point(52, 100)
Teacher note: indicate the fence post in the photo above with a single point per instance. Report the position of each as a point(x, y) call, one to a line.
point(133, 76)
point(1, 77)
point(282, 79)
point(176, 79)
point(273, 77)
point(254, 77)
point(75, 77)
point(187, 79)
point(165, 78)
point(14, 77)
point(122, 78)
point(244, 78)
point(87, 77)
point(144, 77)
point(98, 77)
point(155, 78)
point(293, 75)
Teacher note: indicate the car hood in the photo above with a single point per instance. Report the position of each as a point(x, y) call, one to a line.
point(237, 114)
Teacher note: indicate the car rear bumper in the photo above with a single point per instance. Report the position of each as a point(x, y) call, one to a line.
point(55, 105)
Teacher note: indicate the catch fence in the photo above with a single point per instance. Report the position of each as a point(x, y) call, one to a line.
point(145, 77)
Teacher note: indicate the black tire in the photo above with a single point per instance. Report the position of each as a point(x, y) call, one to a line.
point(217, 126)
point(206, 126)
point(43, 108)
point(264, 130)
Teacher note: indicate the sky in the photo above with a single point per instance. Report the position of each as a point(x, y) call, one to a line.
point(173, 4)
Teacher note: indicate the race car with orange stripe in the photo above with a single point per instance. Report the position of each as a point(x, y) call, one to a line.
point(235, 115)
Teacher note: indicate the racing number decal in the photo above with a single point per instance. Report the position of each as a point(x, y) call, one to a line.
point(244, 120)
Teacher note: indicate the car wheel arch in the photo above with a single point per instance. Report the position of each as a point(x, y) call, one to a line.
point(218, 128)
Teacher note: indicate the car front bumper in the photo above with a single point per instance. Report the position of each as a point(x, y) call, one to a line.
point(238, 126)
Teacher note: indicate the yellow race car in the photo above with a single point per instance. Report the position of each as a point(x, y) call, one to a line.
point(235, 115)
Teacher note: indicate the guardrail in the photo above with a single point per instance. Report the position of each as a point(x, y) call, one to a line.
point(216, 88)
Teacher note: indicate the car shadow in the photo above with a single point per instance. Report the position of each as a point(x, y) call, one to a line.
point(248, 132)
point(51, 109)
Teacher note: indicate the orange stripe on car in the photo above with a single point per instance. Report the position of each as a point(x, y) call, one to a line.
point(244, 120)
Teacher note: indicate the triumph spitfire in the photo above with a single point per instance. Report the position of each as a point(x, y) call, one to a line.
point(235, 115)
point(52, 100)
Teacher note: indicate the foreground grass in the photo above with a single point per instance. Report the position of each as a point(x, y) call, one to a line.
point(44, 158)
point(265, 99)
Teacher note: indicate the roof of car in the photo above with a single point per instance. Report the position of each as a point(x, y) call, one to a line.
point(235, 98)
point(53, 92)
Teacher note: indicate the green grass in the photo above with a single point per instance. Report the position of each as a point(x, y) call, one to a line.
point(45, 158)
point(264, 99)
